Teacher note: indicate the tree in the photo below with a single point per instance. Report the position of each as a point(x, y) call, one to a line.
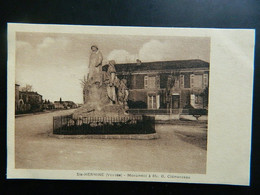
point(27, 88)
point(205, 96)
point(170, 84)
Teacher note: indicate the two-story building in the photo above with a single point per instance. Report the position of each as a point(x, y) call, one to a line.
point(166, 84)
point(33, 99)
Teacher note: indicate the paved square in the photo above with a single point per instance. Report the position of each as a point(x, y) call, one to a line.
point(180, 149)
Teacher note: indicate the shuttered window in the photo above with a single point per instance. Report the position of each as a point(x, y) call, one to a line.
point(182, 81)
point(139, 81)
point(152, 82)
point(205, 80)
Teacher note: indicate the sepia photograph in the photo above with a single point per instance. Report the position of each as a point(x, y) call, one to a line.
point(149, 94)
point(117, 106)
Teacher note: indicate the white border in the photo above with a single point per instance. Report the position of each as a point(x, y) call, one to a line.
point(230, 104)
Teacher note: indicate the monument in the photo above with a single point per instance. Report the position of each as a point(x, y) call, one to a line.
point(105, 109)
point(104, 94)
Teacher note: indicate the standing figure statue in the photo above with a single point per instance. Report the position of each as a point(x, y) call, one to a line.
point(123, 93)
point(95, 66)
point(102, 90)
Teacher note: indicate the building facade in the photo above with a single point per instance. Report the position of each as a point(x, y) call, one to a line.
point(27, 101)
point(166, 84)
point(17, 97)
point(30, 100)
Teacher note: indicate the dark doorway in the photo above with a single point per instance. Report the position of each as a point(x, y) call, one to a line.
point(175, 101)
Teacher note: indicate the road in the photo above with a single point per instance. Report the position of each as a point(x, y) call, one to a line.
point(180, 149)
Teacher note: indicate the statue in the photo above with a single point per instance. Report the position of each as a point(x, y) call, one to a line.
point(95, 66)
point(105, 110)
point(123, 93)
point(111, 81)
point(103, 93)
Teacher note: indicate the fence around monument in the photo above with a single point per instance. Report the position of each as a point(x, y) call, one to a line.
point(180, 111)
point(66, 125)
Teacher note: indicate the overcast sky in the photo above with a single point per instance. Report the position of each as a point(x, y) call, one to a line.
point(54, 63)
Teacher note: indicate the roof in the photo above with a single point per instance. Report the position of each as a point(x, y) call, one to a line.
point(161, 65)
point(30, 93)
point(71, 102)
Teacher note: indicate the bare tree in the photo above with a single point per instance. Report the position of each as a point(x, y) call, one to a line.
point(170, 84)
point(27, 88)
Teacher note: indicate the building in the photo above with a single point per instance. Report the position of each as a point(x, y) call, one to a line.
point(166, 84)
point(48, 105)
point(30, 97)
point(64, 104)
point(69, 104)
point(58, 105)
point(16, 97)
point(27, 101)
point(30, 101)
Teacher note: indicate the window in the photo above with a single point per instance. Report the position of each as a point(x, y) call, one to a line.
point(152, 82)
point(157, 81)
point(163, 80)
point(196, 80)
point(187, 82)
point(145, 82)
point(196, 99)
point(192, 80)
point(152, 101)
point(205, 80)
point(182, 81)
point(139, 81)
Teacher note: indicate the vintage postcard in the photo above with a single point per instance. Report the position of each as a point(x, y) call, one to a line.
point(130, 103)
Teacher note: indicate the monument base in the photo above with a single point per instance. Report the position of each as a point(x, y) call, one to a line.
point(116, 136)
point(128, 125)
point(88, 110)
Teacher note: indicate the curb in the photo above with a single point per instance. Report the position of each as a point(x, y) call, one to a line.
point(115, 136)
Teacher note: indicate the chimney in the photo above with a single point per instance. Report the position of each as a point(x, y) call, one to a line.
point(138, 62)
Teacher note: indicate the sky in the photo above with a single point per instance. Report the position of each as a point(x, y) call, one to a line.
point(54, 63)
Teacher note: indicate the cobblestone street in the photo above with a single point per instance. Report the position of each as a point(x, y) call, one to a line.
point(180, 149)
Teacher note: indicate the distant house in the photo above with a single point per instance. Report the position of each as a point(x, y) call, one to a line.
point(29, 101)
point(166, 84)
point(30, 96)
point(48, 105)
point(64, 104)
point(69, 104)
point(58, 105)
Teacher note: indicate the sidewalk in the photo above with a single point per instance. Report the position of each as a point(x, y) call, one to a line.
point(37, 113)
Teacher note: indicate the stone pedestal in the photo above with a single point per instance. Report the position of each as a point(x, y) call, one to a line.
point(99, 105)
